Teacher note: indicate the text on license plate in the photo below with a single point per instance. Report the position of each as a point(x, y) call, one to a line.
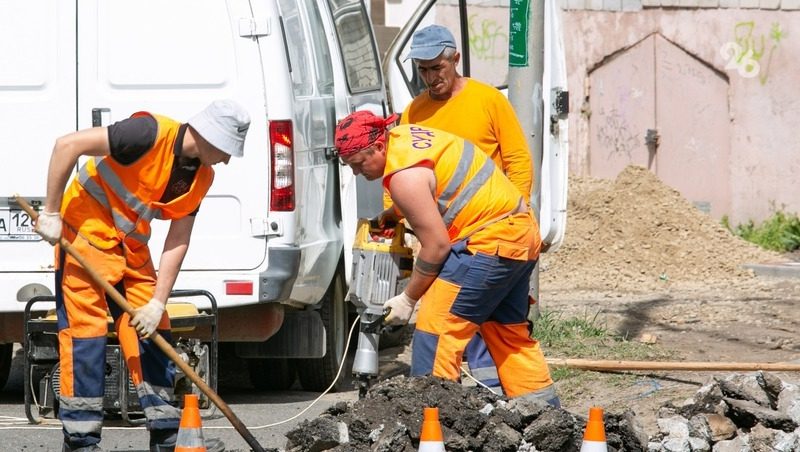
point(15, 222)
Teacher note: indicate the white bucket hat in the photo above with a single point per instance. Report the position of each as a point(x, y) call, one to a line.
point(224, 124)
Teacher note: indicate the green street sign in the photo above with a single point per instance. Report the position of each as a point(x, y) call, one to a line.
point(518, 33)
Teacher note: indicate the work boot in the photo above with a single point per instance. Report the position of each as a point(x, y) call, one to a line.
point(164, 441)
point(92, 448)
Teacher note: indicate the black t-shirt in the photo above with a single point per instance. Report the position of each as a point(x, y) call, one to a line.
point(131, 138)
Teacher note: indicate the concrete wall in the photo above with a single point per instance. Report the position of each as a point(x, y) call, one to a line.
point(754, 51)
point(399, 11)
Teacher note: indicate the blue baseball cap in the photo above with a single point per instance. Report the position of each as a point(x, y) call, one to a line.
point(429, 42)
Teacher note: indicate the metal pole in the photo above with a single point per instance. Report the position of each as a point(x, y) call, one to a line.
point(526, 68)
point(462, 13)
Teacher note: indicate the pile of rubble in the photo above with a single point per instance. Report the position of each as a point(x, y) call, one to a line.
point(757, 412)
point(473, 419)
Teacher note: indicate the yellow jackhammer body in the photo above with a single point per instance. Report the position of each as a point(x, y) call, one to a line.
point(381, 269)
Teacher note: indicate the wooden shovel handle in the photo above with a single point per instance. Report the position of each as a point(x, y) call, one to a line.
point(158, 339)
point(610, 365)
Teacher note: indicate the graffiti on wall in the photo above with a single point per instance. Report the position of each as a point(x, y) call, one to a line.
point(487, 39)
point(750, 53)
point(615, 135)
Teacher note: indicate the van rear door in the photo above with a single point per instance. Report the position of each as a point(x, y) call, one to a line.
point(484, 44)
point(191, 53)
point(37, 105)
point(359, 86)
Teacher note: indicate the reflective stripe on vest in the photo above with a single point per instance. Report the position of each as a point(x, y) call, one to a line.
point(459, 201)
point(458, 176)
point(121, 222)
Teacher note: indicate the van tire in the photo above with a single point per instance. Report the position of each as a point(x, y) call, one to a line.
point(271, 374)
point(317, 374)
point(6, 355)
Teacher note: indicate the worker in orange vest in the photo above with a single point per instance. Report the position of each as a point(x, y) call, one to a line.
point(479, 242)
point(142, 168)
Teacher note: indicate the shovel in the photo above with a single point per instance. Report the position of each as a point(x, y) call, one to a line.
point(155, 337)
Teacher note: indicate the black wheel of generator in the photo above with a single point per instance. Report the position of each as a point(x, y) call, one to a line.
point(271, 374)
point(6, 355)
point(317, 374)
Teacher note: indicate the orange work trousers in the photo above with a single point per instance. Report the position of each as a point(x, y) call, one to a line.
point(82, 311)
point(481, 290)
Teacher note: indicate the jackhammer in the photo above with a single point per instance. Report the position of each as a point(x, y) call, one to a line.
point(381, 269)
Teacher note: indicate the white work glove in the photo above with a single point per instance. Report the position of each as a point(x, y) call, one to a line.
point(49, 226)
point(147, 318)
point(400, 309)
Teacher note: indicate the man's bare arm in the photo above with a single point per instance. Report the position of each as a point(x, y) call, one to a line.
point(175, 247)
point(413, 193)
point(93, 142)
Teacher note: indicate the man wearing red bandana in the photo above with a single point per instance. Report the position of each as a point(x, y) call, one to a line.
point(479, 242)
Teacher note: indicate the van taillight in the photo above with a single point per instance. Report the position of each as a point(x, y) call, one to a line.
point(238, 287)
point(282, 157)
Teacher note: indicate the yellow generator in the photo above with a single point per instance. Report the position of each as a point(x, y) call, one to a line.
point(381, 269)
point(194, 338)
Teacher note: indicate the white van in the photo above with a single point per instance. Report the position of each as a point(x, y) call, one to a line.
point(272, 240)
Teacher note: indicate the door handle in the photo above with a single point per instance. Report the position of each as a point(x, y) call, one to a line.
point(651, 139)
point(331, 153)
point(100, 115)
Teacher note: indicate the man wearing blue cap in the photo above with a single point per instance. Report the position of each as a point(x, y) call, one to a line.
point(481, 114)
point(466, 107)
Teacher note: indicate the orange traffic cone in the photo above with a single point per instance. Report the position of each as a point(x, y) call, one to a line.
point(594, 437)
point(190, 433)
point(430, 438)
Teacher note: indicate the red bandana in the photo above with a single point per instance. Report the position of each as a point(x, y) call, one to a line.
point(359, 130)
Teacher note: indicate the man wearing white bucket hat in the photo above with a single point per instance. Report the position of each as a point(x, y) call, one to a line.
point(145, 167)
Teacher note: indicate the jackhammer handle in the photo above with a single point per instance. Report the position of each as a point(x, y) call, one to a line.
point(374, 224)
point(158, 339)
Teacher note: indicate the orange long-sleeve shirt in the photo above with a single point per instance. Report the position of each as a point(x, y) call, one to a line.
point(482, 115)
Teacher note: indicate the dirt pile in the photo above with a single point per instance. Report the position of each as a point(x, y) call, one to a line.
point(637, 234)
point(473, 419)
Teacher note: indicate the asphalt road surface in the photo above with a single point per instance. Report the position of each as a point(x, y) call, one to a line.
point(259, 411)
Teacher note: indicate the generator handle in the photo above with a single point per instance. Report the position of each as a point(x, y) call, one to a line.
point(26, 357)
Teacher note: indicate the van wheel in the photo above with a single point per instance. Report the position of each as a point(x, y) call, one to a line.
point(271, 374)
point(6, 355)
point(316, 374)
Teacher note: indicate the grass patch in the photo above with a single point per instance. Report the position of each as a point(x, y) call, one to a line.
point(586, 337)
point(780, 232)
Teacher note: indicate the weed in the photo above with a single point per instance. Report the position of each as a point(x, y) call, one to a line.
point(780, 232)
point(586, 337)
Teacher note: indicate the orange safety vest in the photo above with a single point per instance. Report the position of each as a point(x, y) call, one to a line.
point(110, 203)
point(471, 192)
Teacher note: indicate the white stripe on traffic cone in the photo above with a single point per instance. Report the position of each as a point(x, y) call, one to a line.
point(430, 438)
point(594, 437)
